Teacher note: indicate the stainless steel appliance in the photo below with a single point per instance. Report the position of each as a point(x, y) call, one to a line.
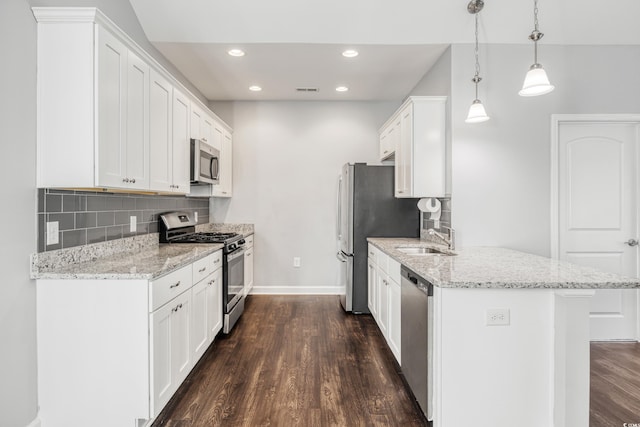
point(179, 227)
point(205, 163)
point(366, 207)
point(416, 341)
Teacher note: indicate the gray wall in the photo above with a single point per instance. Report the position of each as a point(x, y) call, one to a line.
point(18, 371)
point(287, 158)
point(501, 168)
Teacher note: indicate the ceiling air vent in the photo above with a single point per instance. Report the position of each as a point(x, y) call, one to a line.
point(307, 89)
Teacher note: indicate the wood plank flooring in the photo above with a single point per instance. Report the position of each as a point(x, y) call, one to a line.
point(295, 361)
point(615, 384)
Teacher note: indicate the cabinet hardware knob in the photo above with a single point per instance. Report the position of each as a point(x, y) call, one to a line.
point(632, 242)
point(133, 181)
point(125, 179)
point(211, 282)
point(175, 286)
point(202, 269)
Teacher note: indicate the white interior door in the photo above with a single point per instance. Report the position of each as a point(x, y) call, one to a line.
point(598, 214)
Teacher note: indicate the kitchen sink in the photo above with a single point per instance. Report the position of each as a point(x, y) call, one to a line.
point(413, 250)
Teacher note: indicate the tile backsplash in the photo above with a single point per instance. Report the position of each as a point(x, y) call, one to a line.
point(86, 217)
point(445, 216)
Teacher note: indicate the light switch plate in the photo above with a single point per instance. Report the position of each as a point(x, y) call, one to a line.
point(52, 233)
point(195, 216)
point(133, 223)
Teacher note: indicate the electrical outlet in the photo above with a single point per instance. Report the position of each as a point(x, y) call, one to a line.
point(133, 223)
point(52, 233)
point(498, 317)
point(296, 262)
point(195, 216)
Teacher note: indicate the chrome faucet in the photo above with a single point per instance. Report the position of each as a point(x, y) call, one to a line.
point(449, 240)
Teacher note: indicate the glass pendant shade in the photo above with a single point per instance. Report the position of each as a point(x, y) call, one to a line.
point(536, 82)
point(477, 113)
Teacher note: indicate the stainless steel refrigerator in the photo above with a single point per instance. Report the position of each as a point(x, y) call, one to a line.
point(367, 208)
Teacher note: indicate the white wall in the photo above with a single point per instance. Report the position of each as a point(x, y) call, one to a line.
point(18, 371)
point(501, 168)
point(287, 157)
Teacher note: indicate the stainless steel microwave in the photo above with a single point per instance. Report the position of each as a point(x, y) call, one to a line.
point(205, 163)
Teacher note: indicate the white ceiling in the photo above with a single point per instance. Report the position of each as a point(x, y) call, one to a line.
point(292, 43)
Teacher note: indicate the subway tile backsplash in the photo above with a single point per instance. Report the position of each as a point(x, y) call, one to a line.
point(445, 216)
point(86, 217)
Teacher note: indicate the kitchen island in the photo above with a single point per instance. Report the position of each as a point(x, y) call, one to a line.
point(530, 371)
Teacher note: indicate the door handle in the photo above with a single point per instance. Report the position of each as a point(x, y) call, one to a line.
point(340, 257)
point(632, 242)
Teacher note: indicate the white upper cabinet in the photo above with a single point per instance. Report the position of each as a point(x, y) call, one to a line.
point(161, 135)
point(181, 140)
point(109, 116)
point(418, 131)
point(224, 188)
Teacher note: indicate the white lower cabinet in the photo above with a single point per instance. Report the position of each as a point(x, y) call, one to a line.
point(248, 265)
point(130, 343)
point(384, 296)
point(171, 351)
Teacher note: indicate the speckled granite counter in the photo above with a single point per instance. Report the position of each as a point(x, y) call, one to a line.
point(490, 267)
point(244, 229)
point(150, 263)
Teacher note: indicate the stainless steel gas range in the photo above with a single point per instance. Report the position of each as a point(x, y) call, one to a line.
point(179, 227)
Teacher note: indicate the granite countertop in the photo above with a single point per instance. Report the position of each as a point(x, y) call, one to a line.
point(244, 229)
point(148, 264)
point(491, 267)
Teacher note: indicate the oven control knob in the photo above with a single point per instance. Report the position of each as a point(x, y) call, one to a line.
point(241, 242)
point(232, 247)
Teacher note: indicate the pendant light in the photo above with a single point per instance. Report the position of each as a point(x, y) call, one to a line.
point(536, 81)
point(477, 113)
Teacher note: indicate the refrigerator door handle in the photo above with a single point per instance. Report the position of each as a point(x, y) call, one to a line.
point(339, 209)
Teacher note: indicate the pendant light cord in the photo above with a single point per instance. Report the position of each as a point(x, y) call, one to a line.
point(476, 78)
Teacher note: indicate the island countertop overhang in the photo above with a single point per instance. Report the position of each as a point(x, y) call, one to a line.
point(498, 268)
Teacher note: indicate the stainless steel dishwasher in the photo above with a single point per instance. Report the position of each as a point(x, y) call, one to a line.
point(417, 338)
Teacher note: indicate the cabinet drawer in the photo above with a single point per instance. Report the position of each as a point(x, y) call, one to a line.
point(207, 265)
point(165, 288)
point(373, 254)
point(248, 241)
point(393, 270)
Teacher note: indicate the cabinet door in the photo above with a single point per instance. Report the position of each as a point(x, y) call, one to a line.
point(383, 302)
point(214, 304)
point(217, 135)
point(372, 288)
point(248, 270)
point(206, 129)
point(393, 327)
point(199, 318)
point(404, 159)
point(196, 119)
point(137, 122)
point(181, 361)
point(111, 98)
point(160, 131)
point(224, 187)
point(162, 385)
point(180, 144)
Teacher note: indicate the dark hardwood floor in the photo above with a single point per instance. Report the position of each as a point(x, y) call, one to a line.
point(615, 384)
point(295, 361)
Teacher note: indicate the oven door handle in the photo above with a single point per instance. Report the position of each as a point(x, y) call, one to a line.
point(235, 254)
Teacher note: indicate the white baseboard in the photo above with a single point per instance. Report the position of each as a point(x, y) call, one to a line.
point(35, 423)
point(295, 290)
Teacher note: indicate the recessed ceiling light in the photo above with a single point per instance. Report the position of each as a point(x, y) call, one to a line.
point(255, 88)
point(350, 53)
point(342, 89)
point(236, 52)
